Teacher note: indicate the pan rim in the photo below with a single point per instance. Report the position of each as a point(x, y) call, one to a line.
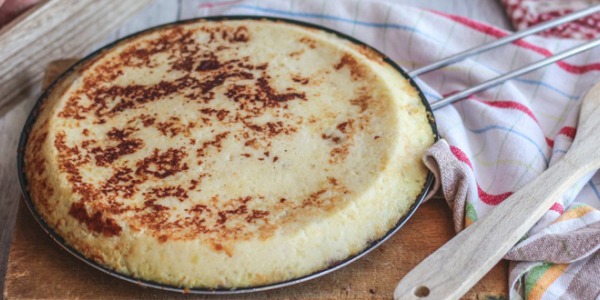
point(32, 117)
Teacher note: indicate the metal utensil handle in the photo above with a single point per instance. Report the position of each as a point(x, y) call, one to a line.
point(515, 73)
point(505, 40)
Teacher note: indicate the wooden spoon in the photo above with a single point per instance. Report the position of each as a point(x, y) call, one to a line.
point(453, 269)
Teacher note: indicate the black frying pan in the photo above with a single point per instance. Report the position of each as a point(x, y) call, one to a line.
point(334, 266)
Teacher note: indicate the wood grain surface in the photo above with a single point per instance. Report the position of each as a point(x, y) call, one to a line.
point(13, 115)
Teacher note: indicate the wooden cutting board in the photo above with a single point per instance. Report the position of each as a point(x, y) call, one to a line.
point(39, 268)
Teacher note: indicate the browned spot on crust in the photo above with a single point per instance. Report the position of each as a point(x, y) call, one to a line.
point(193, 184)
point(238, 35)
point(169, 191)
point(272, 129)
point(240, 210)
point(361, 101)
point(95, 222)
point(215, 142)
point(200, 208)
point(346, 131)
point(313, 198)
point(219, 113)
point(332, 181)
point(275, 97)
point(72, 109)
point(169, 128)
point(173, 39)
point(356, 70)
point(300, 79)
point(250, 143)
point(121, 183)
point(174, 126)
point(342, 126)
point(162, 165)
point(69, 160)
point(220, 248)
point(337, 155)
point(255, 215)
point(125, 146)
point(335, 139)
point(327, 197)
point(297, 53)
point(312, 44)
point(370, 54)
point(184, 64)
point(262, 66)
point(343, 138)
point(209, 63)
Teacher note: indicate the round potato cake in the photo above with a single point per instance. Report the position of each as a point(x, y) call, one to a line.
point(227, 154)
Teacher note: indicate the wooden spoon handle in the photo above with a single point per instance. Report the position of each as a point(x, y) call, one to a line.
point(454, 268)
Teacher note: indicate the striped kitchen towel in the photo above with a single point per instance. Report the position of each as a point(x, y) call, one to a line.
point(526, 13)
point(495, 141)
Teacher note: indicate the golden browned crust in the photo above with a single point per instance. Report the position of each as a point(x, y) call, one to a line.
point(136, 145)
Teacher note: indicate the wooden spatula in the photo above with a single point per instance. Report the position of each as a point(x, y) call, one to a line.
point(453, 269)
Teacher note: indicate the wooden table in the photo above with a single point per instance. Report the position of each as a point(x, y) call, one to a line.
point(163, 11)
